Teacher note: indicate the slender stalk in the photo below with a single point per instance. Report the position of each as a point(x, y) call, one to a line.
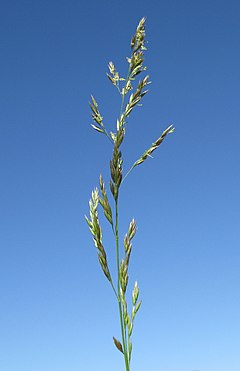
point(124, 92)
point(107, 135)
point(116, 169)
point(115, 292)
point(119, 295)
point(128, 172)
point(123, 327)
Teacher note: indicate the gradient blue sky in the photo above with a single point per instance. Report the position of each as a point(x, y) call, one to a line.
point(57, 311)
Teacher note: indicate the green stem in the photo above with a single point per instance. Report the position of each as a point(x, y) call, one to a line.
point(119, 295)
point(129, 171)
point(124, 94)
point(115, 292)
point(107, 135)
point(123, 328)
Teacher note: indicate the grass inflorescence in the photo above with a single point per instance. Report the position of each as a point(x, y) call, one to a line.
point(131, 93)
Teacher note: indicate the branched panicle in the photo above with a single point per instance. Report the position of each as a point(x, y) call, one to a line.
point(135, 68)
point(139, 89)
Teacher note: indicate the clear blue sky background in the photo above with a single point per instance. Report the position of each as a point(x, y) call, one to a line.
point(57, 311)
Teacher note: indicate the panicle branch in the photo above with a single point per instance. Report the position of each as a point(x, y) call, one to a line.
point(104, 202)
point(154, 146)
point(96, 231)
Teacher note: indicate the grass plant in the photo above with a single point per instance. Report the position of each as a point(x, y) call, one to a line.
point(131, 93)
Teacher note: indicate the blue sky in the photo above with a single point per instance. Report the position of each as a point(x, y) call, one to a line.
point(57, 311)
